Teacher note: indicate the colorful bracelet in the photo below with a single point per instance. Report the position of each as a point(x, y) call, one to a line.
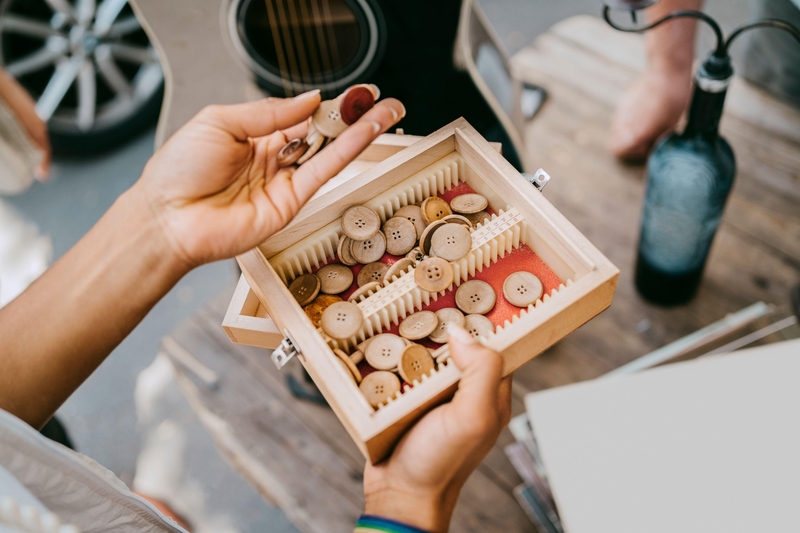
point(369, 524)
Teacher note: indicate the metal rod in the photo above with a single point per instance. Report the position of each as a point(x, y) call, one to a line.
point(765, 23)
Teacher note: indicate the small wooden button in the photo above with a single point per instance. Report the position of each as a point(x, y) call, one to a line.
point(458, 219)
point(475, 297)
point(315, 309)
point(448, 315)
point(434, 208)
point(341, 320)
point(418, 325)
point(371, 273)
point(384, 350)
point(415, 255)
point(360, 223)
point(398, 269)
point(335, 278)
point(522, 289)
point(434, 274)
point(328, 119)
point(427, 235)
point(412, 213)
point(415, 362)
point(357, 356)
point(479, 218)
point(478, 326)
point(379, 387)
point(467, 204)
point(291, 152)
point(369, 250)
point(305, 288)
point(354, 102)
point(364, 290)
point(349, 364)
point(343, 251)
point(401, 235)
point(451, 242)
point(315, 141)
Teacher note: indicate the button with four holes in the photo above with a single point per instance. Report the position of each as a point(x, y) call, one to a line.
point(427, 235)
point(335, 278)
point(434, 274)
point(369, 250)
point(379, 386)
point(371, 273)
point(305, 288)
point(401, 235)
point(478, 326)
point(447, 315)
point(384, 350)
point(418, 325)
point(415, 362)
point(434, 208)
point(451, 242)
point(522, 288)
point(475, 297)
point(341, 320)
point(467, 204)
point(328, 120)
point(412, 213)
point(315, 309)
point(360, 223)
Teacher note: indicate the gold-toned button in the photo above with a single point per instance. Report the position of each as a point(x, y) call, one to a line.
point(335, 278)
point(384, 350)
point(475, 297)
point(360, 223)
point(305, 288)
point(369, 250)
point(412, 213)
point(434, 208)
point(478, 326)
point(479, 218)
point(315, 309)
point(467, 204)
point(398, 269)
point(434, 274)
point(415, 362)
point(458, 219)
point(522, 288)
point(418, 325)
point(364, 290)
point(343, 251)
point(447, 315)
point(379, 387)
point(357, 356)
point(401, 235)
point(291, 152)
point(427, 235)
point(328, 120)
point(341, 320)
point(451, 242)
point(348, 363)
point(371, 273)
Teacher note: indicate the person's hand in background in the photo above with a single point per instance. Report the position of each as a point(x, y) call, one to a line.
point(420, 482)
point(22, 105)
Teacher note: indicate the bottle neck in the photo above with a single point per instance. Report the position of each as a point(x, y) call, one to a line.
point(706, 108)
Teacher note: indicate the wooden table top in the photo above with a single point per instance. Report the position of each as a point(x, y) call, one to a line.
point(297, 454)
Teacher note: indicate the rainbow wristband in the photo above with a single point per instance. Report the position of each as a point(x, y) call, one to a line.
point(369, 524)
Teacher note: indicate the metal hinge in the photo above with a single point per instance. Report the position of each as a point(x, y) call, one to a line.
point(284, 352)
point(538, 180)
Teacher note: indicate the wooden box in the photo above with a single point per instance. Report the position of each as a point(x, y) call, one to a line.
point(454, 156)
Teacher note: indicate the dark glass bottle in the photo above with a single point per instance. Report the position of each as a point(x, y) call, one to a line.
point(689, 178)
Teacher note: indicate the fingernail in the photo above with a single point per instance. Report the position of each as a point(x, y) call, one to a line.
point(307, 94)
point(460, 334)
point(395, 116)
point(404, 110)
point(375, 127)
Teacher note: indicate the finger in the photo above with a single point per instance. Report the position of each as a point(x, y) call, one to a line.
point(504, 399)
point(299, 131)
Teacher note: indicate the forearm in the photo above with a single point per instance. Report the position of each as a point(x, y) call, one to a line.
point(670, 47)
point(55, 334)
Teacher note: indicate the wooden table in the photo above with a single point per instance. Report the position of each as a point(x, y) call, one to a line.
point(299, 457)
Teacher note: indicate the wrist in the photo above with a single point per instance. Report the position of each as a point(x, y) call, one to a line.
point(430, 512)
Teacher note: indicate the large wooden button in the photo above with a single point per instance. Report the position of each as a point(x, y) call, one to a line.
point(451, 242)
point(522, 289)
point(291, 152)
point(335, 278)
point(458, 219)
point(401, 235)
point(360, 223)
point(343, 251)
point(369, 250)
point(341, 320)
point(384, 350)
point(364, 290)
point(354, 102)
point(418, 325)
point(328, 119)
point(427, 235)
point(434, 274)
point(398, 269)
point(479, 218)
point(415, 362)
point(448, 315)
point(467, 204)
point(434, 208)
point(379, 387)
point(349, 364)
point(412, 213)
point(305, 288)
point(478, 326)
point(371, 273)
point(315, 309)
point(475, 297)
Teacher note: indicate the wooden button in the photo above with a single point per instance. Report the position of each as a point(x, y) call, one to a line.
point(478, 218)
point(348, 363)
point(357, 356)
point(343, 251)
point(364, 290)
point(451, 242)
point(415, 362)
point(522, 289)
point(427, 235)
point(341, 320)
point(379, 387)
point(371, 273)
point(401, 235)
point(415, 255)
point(418, 325)
point(315, 309)
point(305, 288)
point(369, 250)
point(467, 204)
point(412, 213)
point(335, 278)
point(478, 326)
point(398, 269)
point(458, 219)
point(448, 315)
point(360, 223)
point(384, 350)
point(315, 141)
point(434, 208)
point(475, 297)
point(291, 152)
point(434, 274)
point(354, 102)
point(328, 119)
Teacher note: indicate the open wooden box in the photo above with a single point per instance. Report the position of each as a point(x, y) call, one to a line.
point(454, 156)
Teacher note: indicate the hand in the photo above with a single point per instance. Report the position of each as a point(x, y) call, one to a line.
point(22, 105)
point(215, 187)
point(420, 483)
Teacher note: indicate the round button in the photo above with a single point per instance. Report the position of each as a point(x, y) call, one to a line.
point(427, 235)
point(335, 278)
point(448, 315)
point(478, 326)
point(343, 251)
point(341, 320)
point(451, 242)
point(384, 350)
point(479, 218)
point(357, 356)
point(522, 289)
point(360, 223)
point(379, 387)
point(398, 269)
point(401, 235)
point(328, 119)
point(364, 290)
point(315, 309)
point(434, 208)
point(349, 364)
point(354, 102)
point(291, 152)
point(305, 288)
point(458, 219)
point(475, 297)
point(369, 250)
point(412, 213)
point(434, 274)
point(371, 273)
point(415, 362)
point(418, 325)
point(466, 204)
